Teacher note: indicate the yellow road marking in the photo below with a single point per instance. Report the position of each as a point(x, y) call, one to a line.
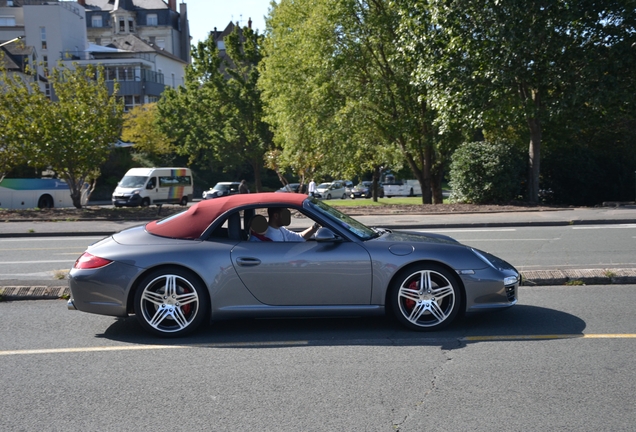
point(150, 347)
point(547, 337)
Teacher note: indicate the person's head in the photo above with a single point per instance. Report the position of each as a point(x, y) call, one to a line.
point(278, 216)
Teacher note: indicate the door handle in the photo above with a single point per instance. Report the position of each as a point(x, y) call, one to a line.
point(248, 262)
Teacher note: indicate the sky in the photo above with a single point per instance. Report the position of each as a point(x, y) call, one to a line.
point(204, 15)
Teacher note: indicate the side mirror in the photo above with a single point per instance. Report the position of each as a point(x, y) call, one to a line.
point(326, 235)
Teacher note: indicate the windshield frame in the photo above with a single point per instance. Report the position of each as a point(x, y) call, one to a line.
point(341, 220)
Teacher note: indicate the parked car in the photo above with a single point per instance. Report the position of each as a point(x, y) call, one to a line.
point(222, 189)
point(331, 190)
point(365, 190)
point(290, 187)
point(199, 265)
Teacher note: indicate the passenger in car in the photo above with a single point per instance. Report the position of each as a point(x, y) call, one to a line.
point(274, 230)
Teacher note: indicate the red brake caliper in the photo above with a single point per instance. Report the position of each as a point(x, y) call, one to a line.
point(186, 308)
point(408, 303)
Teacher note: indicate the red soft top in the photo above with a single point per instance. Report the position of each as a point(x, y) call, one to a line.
point(191, 223)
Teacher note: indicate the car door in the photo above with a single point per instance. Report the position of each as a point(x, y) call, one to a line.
point(305, 273)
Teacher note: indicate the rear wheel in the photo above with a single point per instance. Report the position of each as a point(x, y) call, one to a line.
point(45, 201)
point(328, 196)
point(426, 297)
point(171, 303)
point(184, 201)
point(344, 196)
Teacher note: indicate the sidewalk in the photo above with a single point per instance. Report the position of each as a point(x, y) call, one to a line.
point(574, 216)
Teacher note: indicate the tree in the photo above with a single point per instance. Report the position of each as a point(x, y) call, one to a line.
point(489, 63)
point(338, 86)
point(20, 106)
point(140, 127)
point(74, 133)
point(217, 117)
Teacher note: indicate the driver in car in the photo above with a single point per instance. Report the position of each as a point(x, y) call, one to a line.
point(274, 229)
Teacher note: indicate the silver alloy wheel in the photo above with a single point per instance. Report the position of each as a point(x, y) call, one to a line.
point(169, 303)
point(427, 299)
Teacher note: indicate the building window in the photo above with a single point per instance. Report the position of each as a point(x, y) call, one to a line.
point(96, 21)
point(47, 90)
point(131, 101)
point(151, 19)
point(45, 65)
point(98, 41)
point(161, 43)
point(7, 21)
point(43, 36)
point(131, 25)
point(173, 81)
point(122, 25)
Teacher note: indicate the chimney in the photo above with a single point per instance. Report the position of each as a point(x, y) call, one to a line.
point(82, 2)
point(249, 23)
point(172, 4)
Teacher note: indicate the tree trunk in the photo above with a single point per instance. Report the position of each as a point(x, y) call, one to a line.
point(534, 159)
point(376, 180)
point(436, 184)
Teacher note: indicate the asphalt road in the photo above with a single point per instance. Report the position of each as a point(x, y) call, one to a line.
point(562, 359)
point(41, 260)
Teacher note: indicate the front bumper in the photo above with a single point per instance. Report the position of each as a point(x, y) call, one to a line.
point(125, 200)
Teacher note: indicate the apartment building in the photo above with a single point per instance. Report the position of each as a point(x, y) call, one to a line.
point(141, 43)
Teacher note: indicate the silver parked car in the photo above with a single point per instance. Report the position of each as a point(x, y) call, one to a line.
point(336, 189)
point(200, 265)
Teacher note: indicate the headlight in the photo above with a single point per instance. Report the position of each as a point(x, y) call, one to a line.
point(510, 280)
point(136, 192)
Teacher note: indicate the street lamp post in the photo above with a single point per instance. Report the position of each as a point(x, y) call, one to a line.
point(11, 41)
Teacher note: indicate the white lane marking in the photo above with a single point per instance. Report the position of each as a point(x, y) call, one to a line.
point(37, 262)
point(467, 230)
point(593, 227)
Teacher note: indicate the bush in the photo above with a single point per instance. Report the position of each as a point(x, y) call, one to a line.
point(486, 172)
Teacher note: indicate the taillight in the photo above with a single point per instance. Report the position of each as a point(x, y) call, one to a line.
point(88, 261)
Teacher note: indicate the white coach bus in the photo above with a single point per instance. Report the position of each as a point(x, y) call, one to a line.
point(26, 193)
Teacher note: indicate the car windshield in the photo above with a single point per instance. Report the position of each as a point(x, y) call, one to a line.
point(133, 181)
point(342, 220)
point(221, 187)
point(324, 185)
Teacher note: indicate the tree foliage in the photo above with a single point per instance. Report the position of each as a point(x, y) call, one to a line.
point(483, 172)
point(217, 117)
point(495, 62)
point(141, 128)
point(73, 133)
point(338, 87)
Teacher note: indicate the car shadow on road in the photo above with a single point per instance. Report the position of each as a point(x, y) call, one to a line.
point(519, 322)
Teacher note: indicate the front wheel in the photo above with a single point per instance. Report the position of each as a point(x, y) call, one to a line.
point(328, 196)
point(426, 297)
point(171, 303)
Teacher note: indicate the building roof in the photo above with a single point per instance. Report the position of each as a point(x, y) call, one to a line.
point(109, 5)
point(134, 43)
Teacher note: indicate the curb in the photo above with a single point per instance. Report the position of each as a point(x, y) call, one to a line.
point(529, 278)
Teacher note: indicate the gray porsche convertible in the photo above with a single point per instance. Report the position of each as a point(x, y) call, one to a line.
point(203, 264)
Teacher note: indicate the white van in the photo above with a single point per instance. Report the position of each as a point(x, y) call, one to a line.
point(146, 186)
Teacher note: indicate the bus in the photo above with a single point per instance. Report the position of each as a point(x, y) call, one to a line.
point(28, 193)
